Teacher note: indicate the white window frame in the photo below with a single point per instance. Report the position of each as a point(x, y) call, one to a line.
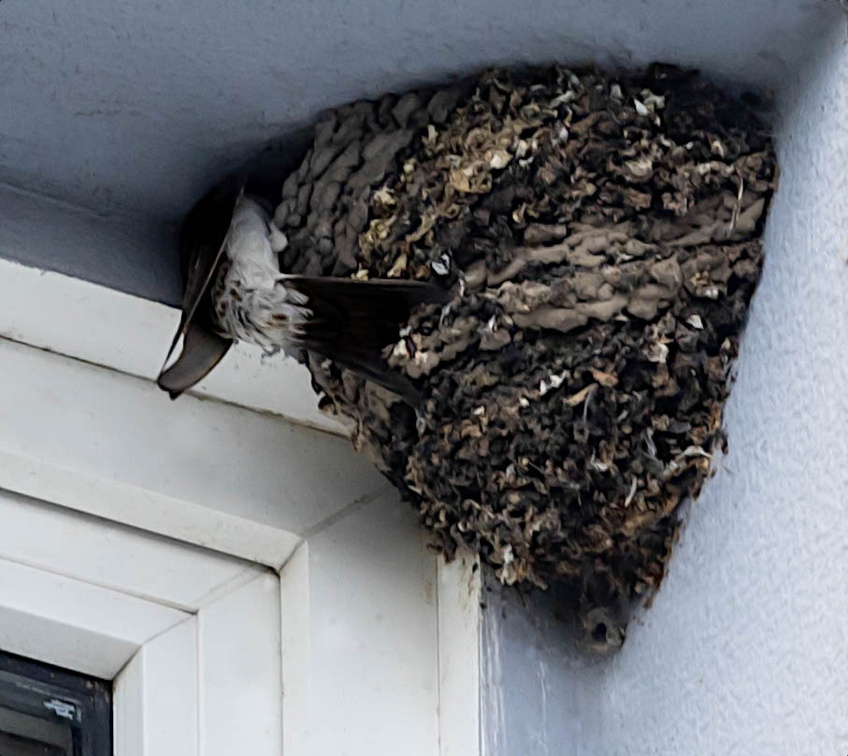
point(197, 650)
point(160, 618)
point(136, 535)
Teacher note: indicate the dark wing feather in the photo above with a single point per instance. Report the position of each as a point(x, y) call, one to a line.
point(202, 350)
point(202, 238)
point(353, 321)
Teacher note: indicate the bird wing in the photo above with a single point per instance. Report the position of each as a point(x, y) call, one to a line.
point(202, 350)
point(202, 238)
point(352, 322)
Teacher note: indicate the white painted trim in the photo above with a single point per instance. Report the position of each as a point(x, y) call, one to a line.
point(156, 697)
point(381, 641)
point(206, 472)
point(363, 619)
point(459, 597)
point(360, 651)
point(136, 507)
point(372, 641)
point(296, 653)
point(368, 623)
point(74, 624)
point(240, 672)
point(100, 553)
point(105, 327)
point(205, 682)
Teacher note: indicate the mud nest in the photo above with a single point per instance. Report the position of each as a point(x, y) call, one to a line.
point(601, 237)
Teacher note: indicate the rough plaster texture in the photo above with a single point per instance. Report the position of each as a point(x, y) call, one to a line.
point(746, 646)
point(132, 107)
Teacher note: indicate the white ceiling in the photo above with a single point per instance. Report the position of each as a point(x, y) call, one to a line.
point(132, 107)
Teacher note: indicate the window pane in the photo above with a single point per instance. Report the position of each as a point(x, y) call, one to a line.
point(47, 711)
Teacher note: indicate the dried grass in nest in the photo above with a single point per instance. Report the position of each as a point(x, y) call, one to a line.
point(601, 234)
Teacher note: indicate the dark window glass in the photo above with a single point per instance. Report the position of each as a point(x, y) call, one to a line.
point(47, 711)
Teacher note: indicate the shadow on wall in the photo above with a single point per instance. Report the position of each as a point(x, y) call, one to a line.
point(542, 687)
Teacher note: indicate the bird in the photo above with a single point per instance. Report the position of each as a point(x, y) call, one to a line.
point(236, 291)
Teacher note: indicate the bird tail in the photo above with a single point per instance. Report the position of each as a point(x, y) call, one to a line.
point(352, 322)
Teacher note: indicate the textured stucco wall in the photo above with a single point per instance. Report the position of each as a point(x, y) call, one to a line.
point(132, 107)
point(745, 649)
